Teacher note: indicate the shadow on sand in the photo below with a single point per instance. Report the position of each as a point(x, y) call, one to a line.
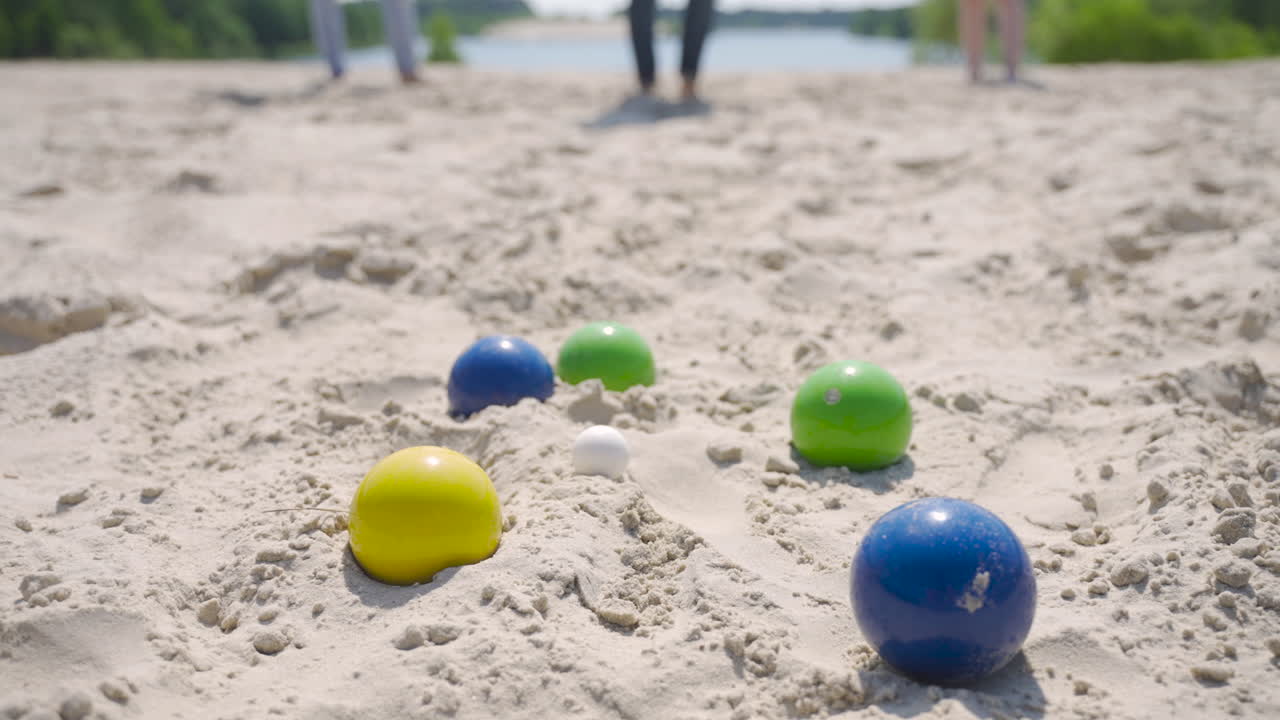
point(647, 110)
point(1011, 692)
point(877, 481)
point(381, 595)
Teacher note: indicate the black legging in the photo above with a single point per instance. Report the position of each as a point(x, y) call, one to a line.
point(697, 23)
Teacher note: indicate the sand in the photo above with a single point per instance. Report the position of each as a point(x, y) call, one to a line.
point(226, 291)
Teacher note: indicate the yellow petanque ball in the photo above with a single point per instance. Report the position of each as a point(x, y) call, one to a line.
point(421, 510)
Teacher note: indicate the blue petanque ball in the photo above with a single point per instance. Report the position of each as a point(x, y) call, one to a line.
point(498, 370)
point(943, 590)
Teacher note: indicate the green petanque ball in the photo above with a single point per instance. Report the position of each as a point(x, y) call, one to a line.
point(853, 414)
point(608, 351)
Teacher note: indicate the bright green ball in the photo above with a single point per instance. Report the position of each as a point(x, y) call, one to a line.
point(853, 414)
point(608, 351)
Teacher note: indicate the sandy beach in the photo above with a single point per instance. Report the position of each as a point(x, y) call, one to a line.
point(227, 290)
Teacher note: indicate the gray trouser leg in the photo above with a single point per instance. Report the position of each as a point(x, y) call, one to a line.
point(329, 32)
point(400, 20)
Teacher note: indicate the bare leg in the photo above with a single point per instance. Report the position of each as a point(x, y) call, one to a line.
point(1012, 36)
point(973, 35)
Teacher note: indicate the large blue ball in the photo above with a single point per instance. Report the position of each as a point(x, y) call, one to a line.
point(498, 370)
point(943, 590)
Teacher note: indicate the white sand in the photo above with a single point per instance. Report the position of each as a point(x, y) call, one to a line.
point(223, 294)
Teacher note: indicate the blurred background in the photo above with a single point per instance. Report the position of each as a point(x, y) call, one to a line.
point(586, 34)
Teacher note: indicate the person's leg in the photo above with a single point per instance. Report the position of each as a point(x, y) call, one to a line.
point(697, 23)
point(399, 19)
point(1013, 35)
point(973, 34)
point(329, 33)
point(641, 15)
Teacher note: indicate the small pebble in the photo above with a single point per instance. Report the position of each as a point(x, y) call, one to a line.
point(1239, 493)
point(1253, 324)
point(724, 452)
point(1235, 524)
point(964, 402)
point(1274, 646)
point(1214, 621)
point(1130, 572)
point(1234, 573)
point(1212, 673)
point(781, 464)
point(1105, 471)
point(62, 408)
point(274, 555)
point(1068, 594)
point(1248, 548)
point(1084, 536)
point(1221, 500)
point(618, 613)
point(209, 612)
point(151, 492)
point(76, 707)
point(230, 622)
point(1089, 501)
point(269, 642)
point(1157, 492)
point(114, 692)
point(22, 524)
point(73, 497)
point(443, 634)
point(409, 638)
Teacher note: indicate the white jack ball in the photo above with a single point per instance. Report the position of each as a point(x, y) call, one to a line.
point(600, 450)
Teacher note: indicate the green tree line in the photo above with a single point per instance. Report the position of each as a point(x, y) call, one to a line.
point(199, 28)
point(1082, 31)
point(167, 28)
point(882, 22)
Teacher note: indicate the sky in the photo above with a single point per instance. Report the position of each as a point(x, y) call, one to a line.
point(604, 7)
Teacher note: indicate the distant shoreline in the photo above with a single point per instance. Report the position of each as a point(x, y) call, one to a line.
point(556, 29)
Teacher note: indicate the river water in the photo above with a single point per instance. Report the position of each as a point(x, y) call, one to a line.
point(729, 49)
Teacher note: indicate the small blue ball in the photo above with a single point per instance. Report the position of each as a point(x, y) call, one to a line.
point(943, 590)
point(498, 370)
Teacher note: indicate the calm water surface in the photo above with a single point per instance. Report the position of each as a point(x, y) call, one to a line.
point(729, 49)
